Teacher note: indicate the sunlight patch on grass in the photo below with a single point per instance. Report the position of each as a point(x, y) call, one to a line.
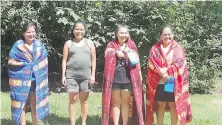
point(207, 110)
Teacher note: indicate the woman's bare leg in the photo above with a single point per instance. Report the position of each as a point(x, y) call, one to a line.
point(116, 101)
point(32, 100)
point(73, 98)
point(160, 112)
point(125, 99)
point(83, 97)
point(173, 113)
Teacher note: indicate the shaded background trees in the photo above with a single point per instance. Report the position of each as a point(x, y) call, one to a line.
point(197, 26)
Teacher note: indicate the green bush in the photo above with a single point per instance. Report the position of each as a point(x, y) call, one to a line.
point(197, 26)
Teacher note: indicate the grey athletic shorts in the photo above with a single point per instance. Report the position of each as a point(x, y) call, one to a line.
point(78, 85)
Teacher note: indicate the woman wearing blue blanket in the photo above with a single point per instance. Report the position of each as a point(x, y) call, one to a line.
point(28, 77)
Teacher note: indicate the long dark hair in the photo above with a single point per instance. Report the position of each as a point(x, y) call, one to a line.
point(74, 25)
point(26, 26)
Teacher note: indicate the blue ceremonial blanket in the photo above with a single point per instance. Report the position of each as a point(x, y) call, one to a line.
point(21, 65)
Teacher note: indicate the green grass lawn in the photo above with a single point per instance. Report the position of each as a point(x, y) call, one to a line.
point(207, 110)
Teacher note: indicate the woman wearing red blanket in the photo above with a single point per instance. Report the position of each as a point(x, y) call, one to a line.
point(121, 81)
point(167, 63)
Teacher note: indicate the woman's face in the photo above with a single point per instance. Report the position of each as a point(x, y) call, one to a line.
point(167, 35)
point(79, 31)
point(122, 34)
point(30, 34)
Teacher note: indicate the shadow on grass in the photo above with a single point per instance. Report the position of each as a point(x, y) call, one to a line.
point(91, 120)
point(54, 119)
point(11, 122)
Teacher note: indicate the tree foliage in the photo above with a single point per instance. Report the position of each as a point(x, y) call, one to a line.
point(197, 26)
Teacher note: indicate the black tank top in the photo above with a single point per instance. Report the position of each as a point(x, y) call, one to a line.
point(121, 74)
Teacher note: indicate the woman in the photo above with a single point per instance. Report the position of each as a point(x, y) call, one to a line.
point(121, 81)
point(78, 70)
point(167, 63)
point(28, 77)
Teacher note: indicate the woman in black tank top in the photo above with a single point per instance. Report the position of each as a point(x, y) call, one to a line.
point(121, 87)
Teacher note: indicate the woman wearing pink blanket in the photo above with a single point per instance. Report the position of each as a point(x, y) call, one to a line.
point(168, 85)
point(121, 81)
